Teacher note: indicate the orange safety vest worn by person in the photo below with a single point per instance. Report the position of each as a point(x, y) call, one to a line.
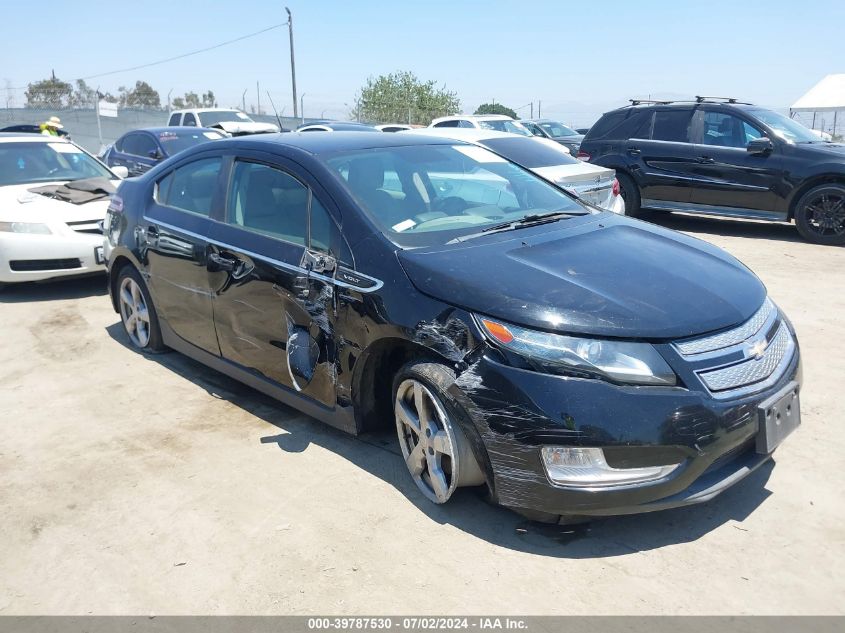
point(51, 126)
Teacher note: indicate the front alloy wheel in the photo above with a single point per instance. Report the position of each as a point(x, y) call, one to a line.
point(436, 453)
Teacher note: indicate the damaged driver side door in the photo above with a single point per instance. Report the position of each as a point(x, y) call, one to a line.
point(273, 285)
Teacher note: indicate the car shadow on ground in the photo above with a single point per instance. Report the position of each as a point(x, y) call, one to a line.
point(55, 289)
point(378, 453)
point(727, 227)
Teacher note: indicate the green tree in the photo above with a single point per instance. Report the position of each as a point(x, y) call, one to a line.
point(402, 97)
point(141, 96)
point(83, 95)
point(49, 93)
point(495, 108)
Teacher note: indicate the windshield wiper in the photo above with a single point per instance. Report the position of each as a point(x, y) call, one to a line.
point(529, 220)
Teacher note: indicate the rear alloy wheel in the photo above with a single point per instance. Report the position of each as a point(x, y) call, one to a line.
point(820, 215)
point(630, 194)
point(137, 311)
point(437, 454)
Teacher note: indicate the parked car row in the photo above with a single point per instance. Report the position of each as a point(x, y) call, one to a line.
point(571, 361)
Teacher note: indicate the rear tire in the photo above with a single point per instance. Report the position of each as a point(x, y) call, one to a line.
point(630, 194)
point(137, 312)
point(820, 215)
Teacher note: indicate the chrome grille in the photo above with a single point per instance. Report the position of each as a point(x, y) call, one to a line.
point(731, 337)
point(754, 370)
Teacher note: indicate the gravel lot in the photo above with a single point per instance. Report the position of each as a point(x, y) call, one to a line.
point(152, 485)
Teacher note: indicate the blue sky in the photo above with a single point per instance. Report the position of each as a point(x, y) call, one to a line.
point(578, 58)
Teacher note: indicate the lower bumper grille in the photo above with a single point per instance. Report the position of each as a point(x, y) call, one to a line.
point(34, 265)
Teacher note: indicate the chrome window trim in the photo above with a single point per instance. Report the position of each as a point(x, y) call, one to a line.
point(378, 283)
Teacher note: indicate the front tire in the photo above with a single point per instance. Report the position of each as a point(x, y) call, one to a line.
point(820, 215)
point(137, 311)
point(438, 456)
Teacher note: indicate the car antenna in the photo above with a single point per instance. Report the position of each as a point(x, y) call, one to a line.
point(276, 112)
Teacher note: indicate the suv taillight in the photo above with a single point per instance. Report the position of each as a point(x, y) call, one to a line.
point(582, 155)
point(615, 187)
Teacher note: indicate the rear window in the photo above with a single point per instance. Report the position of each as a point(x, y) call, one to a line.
point(529, 152)
point(671, 125)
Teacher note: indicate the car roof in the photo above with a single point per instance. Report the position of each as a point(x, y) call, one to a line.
point(476, 117)
point(8, 137)
point(471, 135)
point(336, 141)
point(206, 110)
point(181, 129)
point(338, 125)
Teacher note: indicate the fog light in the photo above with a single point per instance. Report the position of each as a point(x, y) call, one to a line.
point(576, 467)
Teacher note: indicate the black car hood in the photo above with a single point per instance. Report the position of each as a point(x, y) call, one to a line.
point(603, 275)
point(572, 140)
point(826, 150)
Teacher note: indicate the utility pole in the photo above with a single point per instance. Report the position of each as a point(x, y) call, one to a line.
point(532, 109)
point(170, 92)
point(292, 64)
point(302, 107)
point(243, 100)
point(539, 104)
point(258, 92)
point(97, 110)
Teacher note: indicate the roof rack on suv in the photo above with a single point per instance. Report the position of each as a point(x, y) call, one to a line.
point(635, 102)
point(703, 99)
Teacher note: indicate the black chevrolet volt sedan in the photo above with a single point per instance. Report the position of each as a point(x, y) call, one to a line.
point(573, 362)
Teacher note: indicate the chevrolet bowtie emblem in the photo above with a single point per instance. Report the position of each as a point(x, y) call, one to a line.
point(757, 349)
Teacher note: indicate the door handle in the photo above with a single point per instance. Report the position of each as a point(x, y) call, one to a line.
point(706, 160)
point(220, 262)
point(634, 151)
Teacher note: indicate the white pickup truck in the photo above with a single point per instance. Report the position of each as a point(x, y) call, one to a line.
point(233, 122)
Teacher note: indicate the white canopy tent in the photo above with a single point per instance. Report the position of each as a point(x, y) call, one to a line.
point(826, 96)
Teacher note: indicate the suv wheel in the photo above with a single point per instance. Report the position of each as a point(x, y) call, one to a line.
point(137, 311)
point(436, 452)
point(820, 215)
point(630, 194)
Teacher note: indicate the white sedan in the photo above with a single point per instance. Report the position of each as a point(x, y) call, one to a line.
point(53, 198)
point(549, 160)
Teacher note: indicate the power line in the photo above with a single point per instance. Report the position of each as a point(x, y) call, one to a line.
point(172, 59)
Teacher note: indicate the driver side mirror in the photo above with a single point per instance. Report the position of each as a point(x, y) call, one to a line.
point(762, 145)
point(121, 171)
point(155, 154)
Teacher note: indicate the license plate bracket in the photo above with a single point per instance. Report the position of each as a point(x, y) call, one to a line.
point(778, 416)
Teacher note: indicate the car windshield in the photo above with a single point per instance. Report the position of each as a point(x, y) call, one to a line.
point(785, 127)
point(530, 152)
point(504, 125)
point(176, 141)
point(213, 118)
point(423, 195)
point(557, 130)
point(22, 163)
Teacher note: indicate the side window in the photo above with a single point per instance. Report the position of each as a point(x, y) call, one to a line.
point(174, 119)
point(190, 119)
point(452, 123)
point(464, 123)
point(130, 144)
point(144, 146)
point(190, 187)
point(672, 125)
point(270, 201)
point(726, 130)
point(606, 126)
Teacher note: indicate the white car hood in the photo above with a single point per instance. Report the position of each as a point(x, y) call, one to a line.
point(246, 127)
point(576, 173)
point(17, 204)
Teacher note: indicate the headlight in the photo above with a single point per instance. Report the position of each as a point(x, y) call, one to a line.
point(575, 467)
point(618, 361)
point(25, 227)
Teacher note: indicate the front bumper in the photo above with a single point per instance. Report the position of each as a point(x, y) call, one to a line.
point(25, 257)
point(516, 412)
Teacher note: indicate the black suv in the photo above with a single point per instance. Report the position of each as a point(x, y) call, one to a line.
point(720, 157)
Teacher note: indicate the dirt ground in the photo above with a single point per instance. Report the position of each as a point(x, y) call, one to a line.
point(152, 485)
